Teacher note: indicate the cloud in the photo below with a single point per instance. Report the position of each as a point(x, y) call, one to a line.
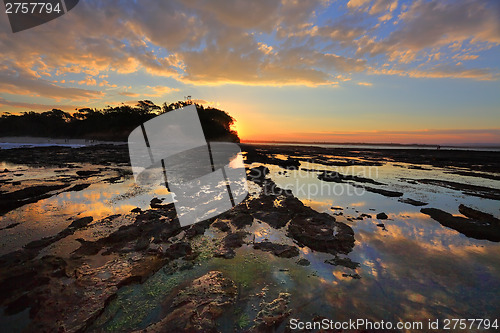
point(89, 81)
point(244, 42)
point(159, 91)
point(366, 84)
point(18, 81)
point(435, 23)
point(128, 94)
point(35, 106)
point(441, 71)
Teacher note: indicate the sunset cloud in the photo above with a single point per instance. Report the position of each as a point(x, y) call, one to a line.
point(216, 42)
point(245, 53)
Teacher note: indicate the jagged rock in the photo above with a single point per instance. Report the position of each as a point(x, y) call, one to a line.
point(346, 262)
point(478, 215)
point(468, 227)
point(222, 226)
point(228, 243)
point(279, 250)
point(196, 307)
point(320, 232)
point(382, 216)
point(87, 173)
point(257, 173)
point(272, 314)
point(413, 202)
point(303, 262)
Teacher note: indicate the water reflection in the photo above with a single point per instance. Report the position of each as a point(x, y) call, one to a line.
point(412, 269)
point(49, 216)
point(415, 269)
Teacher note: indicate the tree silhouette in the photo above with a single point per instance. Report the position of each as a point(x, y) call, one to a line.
point(110, 123)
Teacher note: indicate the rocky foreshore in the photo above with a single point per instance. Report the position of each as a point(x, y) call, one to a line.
point(70, 292)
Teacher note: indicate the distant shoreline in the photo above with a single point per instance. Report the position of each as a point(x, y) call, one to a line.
point(11, 142)
point(414, 145)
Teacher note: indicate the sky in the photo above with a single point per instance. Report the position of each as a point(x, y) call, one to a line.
point(379, 71)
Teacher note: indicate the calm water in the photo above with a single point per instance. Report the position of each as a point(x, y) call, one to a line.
point(375, 146)
point(414, 269)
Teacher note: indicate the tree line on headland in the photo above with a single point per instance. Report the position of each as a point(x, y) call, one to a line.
point(111, 123)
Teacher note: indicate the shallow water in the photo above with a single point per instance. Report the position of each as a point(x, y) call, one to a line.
point(412, 269)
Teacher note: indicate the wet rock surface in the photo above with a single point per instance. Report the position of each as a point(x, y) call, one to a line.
point(272, 314)
point(479, 227)
point(279, 250)
point(382, 216)
point(474, 190)
point(12, 200)
point(413, 202)
point(318, 231)
point(69, 293)
point(196, 307)
point(490, 160)
point(333, 176)
point(346, 262)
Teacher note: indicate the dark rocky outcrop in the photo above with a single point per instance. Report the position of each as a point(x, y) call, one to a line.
point(346, 262)
point(334, 176)
point(279, 250)
point(467, 189)
point(196, 307)
point(469, 227)
point(413, 202)
point(382, 216)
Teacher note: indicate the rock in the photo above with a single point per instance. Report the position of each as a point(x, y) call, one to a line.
point(81, 222)
point(279, 250)
point(386, 193)
point(382, 216)
point(136, 210)
point(469, 227)
point(346, 262)
point(320, 232)
point(257, 173)
point(334, 176)
point(413, 202)
point(355, 276)
point(222, 226)
point(197, 306)
point(179, 250)
point(12, 200)
point(368, 216)
point(235, 239)
point(157, 203)
point(331, 176)
point(10, 226)
point(78, 187)
point(228, 243)
point(272, 314)
point(239, 216)
point(467, 189)
point(87, 173)
point(303, 262)
point(478, 215)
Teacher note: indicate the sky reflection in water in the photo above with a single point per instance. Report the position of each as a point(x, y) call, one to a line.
point(415, 269)
point(412, 269)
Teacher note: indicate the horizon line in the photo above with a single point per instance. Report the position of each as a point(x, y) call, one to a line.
point(467, 145)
